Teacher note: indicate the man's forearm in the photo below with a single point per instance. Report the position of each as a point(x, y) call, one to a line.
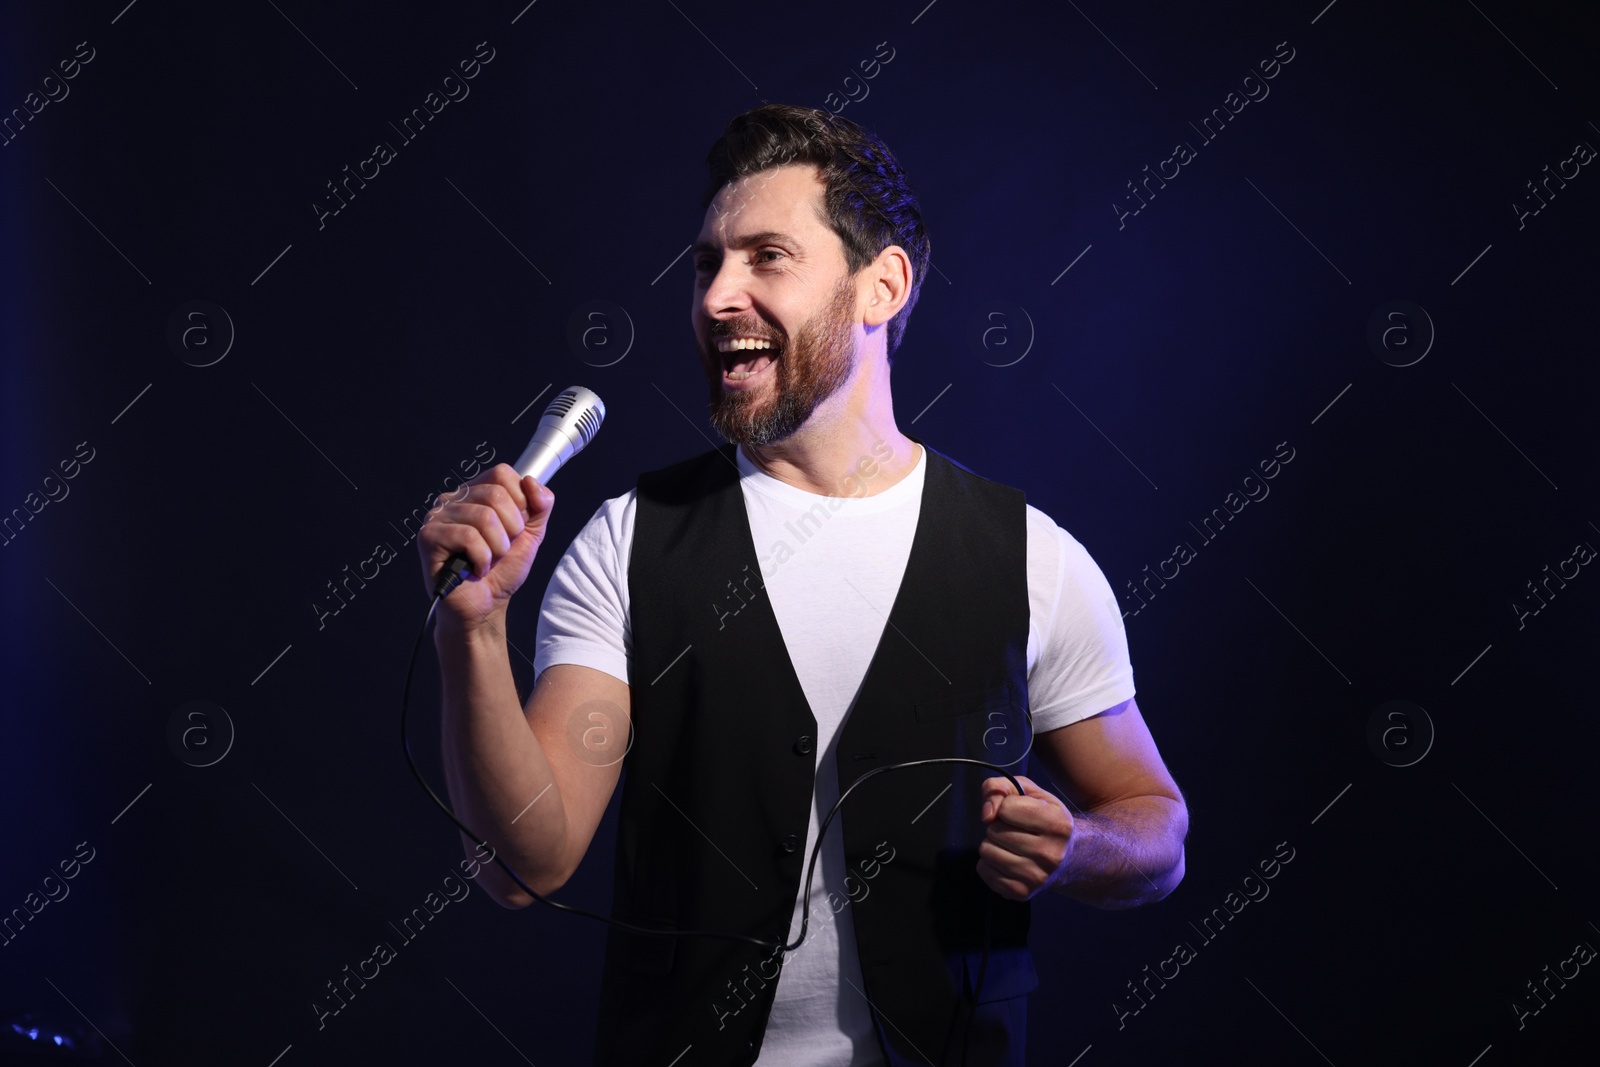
point(494, 766)
point(1126, 854)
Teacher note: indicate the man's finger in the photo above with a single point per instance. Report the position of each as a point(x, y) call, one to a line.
point(1028, 824)
point(994, 790)
point(1005, 874)
point(999, 786)
point(1031, 816)
point(1036, 852)
point(993, 877)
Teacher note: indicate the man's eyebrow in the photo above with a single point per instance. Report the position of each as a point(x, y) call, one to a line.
point(746, 240)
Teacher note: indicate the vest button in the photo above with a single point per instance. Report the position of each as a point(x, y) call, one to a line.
point(791, 843)
point(803, 745)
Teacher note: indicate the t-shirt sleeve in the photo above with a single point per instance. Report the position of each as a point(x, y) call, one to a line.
point(1083, 666)
point(584, 617)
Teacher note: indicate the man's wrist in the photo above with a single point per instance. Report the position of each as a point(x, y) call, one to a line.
point(484, 633)
point(1080, 847)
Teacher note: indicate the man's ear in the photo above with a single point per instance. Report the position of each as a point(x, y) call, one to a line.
point(890, 278)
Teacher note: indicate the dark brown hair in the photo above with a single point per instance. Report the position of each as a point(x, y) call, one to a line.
point(868, 200)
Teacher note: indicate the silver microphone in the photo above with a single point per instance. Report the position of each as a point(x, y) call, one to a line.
point(567, 425)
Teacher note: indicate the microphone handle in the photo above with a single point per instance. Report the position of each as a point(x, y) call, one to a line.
point(450, 575)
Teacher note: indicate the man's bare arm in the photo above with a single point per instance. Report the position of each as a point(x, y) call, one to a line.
point(511, 774)
point(1117, 842)
point(1126, 847)
point(1126, 853)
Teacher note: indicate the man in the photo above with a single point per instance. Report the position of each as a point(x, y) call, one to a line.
point(757, 628)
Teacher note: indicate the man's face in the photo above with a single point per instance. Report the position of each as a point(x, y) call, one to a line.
point(768, 267)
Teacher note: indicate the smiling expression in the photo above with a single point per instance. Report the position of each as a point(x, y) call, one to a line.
point(775, 311)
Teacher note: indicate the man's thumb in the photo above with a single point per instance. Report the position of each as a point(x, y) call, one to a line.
point(523, 546)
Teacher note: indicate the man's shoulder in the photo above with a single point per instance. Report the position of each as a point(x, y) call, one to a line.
point(1043, 525)
point(1074, 553)
point(961, 471)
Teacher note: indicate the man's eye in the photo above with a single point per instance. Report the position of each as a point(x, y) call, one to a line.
point(708, 264)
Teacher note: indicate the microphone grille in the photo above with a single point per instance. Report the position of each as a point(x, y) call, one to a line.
point(588, 424)
point(563, 402)
point(589, 414)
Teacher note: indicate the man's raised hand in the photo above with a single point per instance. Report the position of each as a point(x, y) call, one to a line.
point(497, 520)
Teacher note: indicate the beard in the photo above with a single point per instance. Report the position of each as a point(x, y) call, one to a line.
point(803, 374)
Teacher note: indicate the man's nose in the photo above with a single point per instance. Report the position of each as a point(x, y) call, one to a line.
point(725, 293)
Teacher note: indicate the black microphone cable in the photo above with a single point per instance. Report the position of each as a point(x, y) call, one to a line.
point(449, 577)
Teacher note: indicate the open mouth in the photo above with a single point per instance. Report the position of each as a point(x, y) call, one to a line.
point(745, 358)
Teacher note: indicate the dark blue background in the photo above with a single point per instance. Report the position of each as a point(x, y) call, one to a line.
point(1177, 352)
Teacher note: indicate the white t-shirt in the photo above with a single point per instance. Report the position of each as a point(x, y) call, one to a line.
point(832, 591)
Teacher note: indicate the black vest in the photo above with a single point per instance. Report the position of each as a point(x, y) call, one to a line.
point(717, 785)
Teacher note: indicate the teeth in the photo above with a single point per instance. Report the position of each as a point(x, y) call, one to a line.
point(740, 344)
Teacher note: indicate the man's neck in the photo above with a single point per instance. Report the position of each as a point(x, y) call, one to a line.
point(822, 463)
point(850, 445)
